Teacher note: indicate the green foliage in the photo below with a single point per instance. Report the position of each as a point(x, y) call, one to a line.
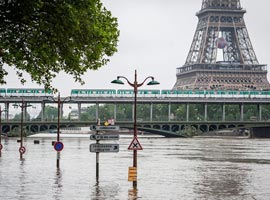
point(160, 112)
point(43, 38)
point(89, 114)
point(214, 112)
point(189, 131)
point(232, 112)
point(18, 117)
point(50, 113)
point(124, 112)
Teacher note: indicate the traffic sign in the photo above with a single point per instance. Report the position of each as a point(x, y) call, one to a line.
point(106, 128)
point(1, 146)
point(104, 137)
point(132, 174)
point(22, 150)
point(104, 148)
point(135, 144)
point(58, 146)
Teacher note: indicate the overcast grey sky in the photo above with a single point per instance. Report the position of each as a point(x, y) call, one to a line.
point(155, 37)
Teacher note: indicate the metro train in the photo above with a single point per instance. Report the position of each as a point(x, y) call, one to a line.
point(19, 92)
point(170, 93)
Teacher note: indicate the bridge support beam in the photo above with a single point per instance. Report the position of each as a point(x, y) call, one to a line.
point(97, 111)
point(151, 112)
point(260, 132)
point(259, 107)
point(241, 112)
point(169, 112)
point(79, 110)
point(223, 112)
point(187, 111)
point(205, 112)
point(7, 110)
point(42, 111)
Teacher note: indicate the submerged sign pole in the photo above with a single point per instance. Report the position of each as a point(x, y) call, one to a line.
point(103, 147)
point(97, 154)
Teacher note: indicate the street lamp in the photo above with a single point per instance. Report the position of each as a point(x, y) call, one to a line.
point(60, 147)
point(22, 106)
point(135, 86)
point(1, 146)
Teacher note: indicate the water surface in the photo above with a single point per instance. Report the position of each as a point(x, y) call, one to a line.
point(168, 169)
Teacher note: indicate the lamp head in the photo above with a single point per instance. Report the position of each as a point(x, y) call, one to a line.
point(118, 81)
point(153, 82)
point(15, 105)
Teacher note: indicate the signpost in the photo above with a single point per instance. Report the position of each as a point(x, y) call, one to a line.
point(58, 146)
point(135, 144)
point(105, 128)
point(104, 137)
point(22, 150)
point(104, 148)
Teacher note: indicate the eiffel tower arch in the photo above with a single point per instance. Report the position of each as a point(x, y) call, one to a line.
point(221, 55)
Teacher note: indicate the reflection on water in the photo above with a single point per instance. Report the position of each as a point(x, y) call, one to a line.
point(102, 192)
point(57, 192)
point(195, 169)
point(133, 194)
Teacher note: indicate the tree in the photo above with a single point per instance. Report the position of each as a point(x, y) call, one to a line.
point(18, 117)
point(42, 38)
point(50, 113)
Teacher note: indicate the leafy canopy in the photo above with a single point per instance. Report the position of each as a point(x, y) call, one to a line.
point(44, 37)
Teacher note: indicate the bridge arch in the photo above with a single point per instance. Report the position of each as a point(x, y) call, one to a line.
point(203, 128)
point(175, 128)
point(166, 127)
point(213, 127)
point(156, 126)
point(34, 128)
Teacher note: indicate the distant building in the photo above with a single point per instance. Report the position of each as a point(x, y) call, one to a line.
point(221, 55)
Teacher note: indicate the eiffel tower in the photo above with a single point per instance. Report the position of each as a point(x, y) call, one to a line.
point(221, 56)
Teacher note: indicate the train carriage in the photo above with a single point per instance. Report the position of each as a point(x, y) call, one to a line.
point(125, 93)
point(93, 93)
point(265, 94)
point(28, 92)
point(2, 92)
point(148, 93)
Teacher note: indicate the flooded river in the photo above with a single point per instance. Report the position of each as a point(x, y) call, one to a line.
point(168, 169)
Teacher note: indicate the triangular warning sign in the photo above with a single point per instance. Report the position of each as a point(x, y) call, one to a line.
point(135, 144)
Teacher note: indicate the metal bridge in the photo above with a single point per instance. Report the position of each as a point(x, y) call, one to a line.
point(161, 113)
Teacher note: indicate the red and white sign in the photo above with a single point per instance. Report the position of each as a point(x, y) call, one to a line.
point(22, 150)
point(135, 144)
point(58, 146)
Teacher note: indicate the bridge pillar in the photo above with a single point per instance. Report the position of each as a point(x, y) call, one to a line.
point(42, 111)
point(97, 111)
point(7, 110)
point(151, 112)
point(79, 109)
point(114, 111)
point(259, 107)
point(260, 132)
point(241, 112)
point(223, 112)
point(169, 112)
point(205, 112)
point(187, 111)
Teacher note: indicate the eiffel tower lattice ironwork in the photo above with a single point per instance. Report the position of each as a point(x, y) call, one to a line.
point(221, 54)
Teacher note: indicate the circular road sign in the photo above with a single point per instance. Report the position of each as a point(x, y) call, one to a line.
point(1, 147)
point(22, 150)
point(58, 146)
